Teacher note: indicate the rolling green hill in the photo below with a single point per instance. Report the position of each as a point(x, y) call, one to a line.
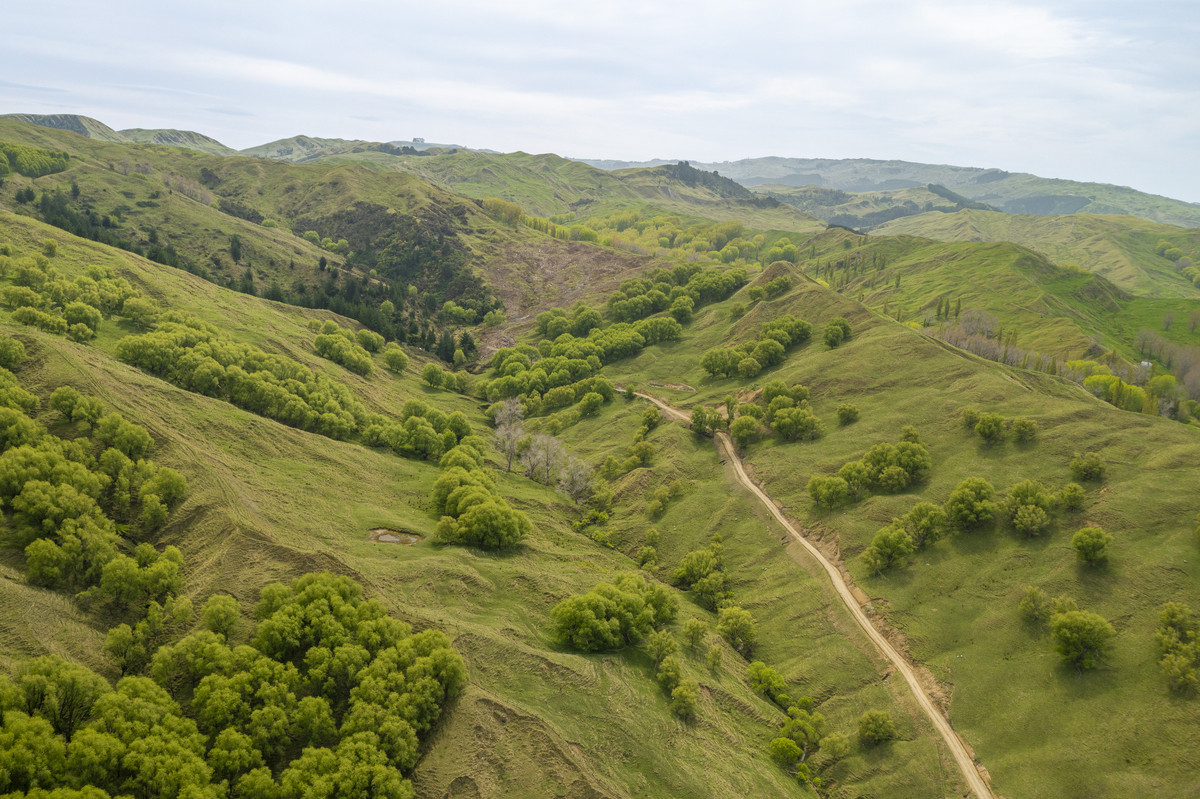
point(652, 271)
point(1120, 248)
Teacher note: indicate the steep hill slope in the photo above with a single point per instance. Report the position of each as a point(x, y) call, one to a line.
point(1123, 249)
point(268, 501)
point(187, 139)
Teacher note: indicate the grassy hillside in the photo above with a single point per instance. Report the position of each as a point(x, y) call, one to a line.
point(956, 603)
point(187, 139)
point(1121, 248)
point(267, 502)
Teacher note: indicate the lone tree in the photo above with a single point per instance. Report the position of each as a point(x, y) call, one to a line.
point(1081, 638)
point(875, 727)
point(1091, 545)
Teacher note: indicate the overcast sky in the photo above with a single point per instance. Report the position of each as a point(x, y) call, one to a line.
point(1101, 90)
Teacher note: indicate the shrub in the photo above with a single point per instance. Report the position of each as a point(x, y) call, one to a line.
point(1071, 497)
point(1024, 430)
point(970, 417)
point(833, 335)
point(1088, 466)
point(829, 492)
point(12, 353)
point(1034, 605)
point(925, 523)
point(395, 358)
point(990, 428)
point(1030, 520)
point(876, 727)
point(738, 627)
point(748, 368)
point(847, 413)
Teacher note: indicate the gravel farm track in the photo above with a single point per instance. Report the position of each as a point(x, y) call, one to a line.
point(958, 749)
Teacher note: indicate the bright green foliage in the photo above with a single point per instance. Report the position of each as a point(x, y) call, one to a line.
point(220, 615)
point(768, 682)
point(1178, 636)
point(685, 699)
point(794, 424)
point(1034, 605)
point(694, 632)
point(891, 546)
point(341, 350)
point(1024, 430)
point(805, 729)
point(369, 340)
point(1081, 638)
point(744, 430)
point(835, 746)
point(669, 673)
point(395, 358)
point(970, 417)
point(611, 616)
point(1071, 497)
point(990, 428)
point(925, 523)
point(847, 413)
point(703, 571)
point(1030, 520)
point(660, 644)
point(194, 355)
point(876, 727)
point(785, 752)
point(1091, 545)
point(971, 503)
point(837, 330)
point(1088, 466)
point(829, 492)
point(215, 713)
point(12, 352)
point(738, 627)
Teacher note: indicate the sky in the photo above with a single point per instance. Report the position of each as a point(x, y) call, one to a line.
point(1105, 91)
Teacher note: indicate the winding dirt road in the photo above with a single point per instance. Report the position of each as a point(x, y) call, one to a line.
point(957, 748)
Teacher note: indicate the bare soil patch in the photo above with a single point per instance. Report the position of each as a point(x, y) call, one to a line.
point(386, 535)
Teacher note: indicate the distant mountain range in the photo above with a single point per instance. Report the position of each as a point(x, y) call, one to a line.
point(776, 177)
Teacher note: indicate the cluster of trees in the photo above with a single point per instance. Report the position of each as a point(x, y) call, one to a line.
point(194, 355)
point(422, 432)
point(330, 697)
point(613, 615)
point(886, 468)
point(343, 347)
point(81, 509)
point(32, 162)
point(747, 360)
point(783, 410)
point(473, 512)
point(550, 379)
point(41, 297)
point(679, 292)
point(1081, 638)
point(1178, 637)
point(992, 427)
point(703, 572)
point(1028, 508)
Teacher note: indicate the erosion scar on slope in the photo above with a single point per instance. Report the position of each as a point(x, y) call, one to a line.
point(957, 748)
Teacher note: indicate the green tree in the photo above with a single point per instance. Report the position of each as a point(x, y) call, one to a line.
point(1088, 466)
point(876, 727)
point(1081, 638)
point(744, 430)
point(891, 546)
point(847, 413)
point(925, 523)
point(971, 503)
point(1091, 545)
point(738, 627)
point(990, 428)
point(685, 699)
